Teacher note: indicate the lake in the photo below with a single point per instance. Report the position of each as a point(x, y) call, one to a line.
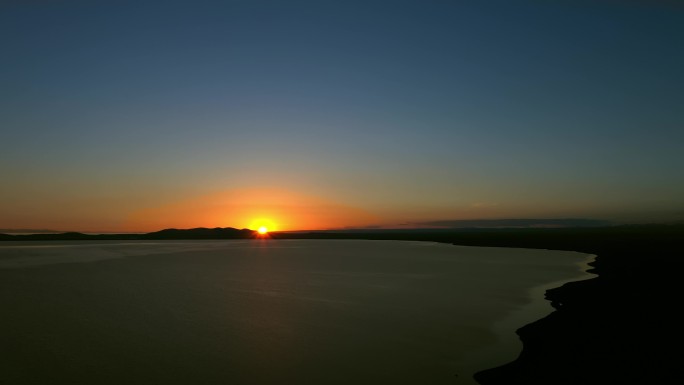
point(267, 311)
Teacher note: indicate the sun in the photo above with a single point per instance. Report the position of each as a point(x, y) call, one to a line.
point(263, 225)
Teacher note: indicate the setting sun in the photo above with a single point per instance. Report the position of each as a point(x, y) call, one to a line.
point(263, 225)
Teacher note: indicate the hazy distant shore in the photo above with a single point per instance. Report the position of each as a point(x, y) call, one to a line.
point(608, 329)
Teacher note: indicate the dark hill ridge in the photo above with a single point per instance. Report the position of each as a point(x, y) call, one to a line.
point(167, 234)
point(201, 233)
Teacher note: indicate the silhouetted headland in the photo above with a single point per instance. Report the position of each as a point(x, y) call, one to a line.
point(619, 327)
point(166, 234)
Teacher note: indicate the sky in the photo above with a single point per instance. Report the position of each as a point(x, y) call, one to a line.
point(142, 115)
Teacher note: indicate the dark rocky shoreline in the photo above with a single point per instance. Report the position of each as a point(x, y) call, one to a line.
point(619, 327)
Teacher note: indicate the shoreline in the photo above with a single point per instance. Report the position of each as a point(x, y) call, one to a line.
point(509, 345)
point(613, 328)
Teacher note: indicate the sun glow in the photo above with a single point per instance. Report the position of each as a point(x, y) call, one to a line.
point(276, 209)
point(263, 225)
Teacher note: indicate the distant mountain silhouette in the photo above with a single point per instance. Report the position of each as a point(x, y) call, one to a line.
point(201, 233)
point(167, 234)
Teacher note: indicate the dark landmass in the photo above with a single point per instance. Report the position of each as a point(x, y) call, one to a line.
point(167, 234)
point(619, 327)
point(202, 233)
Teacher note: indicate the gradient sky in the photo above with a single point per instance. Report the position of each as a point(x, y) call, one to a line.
point(140, 115)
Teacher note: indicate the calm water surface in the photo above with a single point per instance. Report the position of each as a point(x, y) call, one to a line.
point(266, 312)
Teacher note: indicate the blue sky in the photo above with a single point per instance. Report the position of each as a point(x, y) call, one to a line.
point(407, 110)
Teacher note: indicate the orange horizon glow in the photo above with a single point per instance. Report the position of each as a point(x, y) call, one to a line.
point(274, 209)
